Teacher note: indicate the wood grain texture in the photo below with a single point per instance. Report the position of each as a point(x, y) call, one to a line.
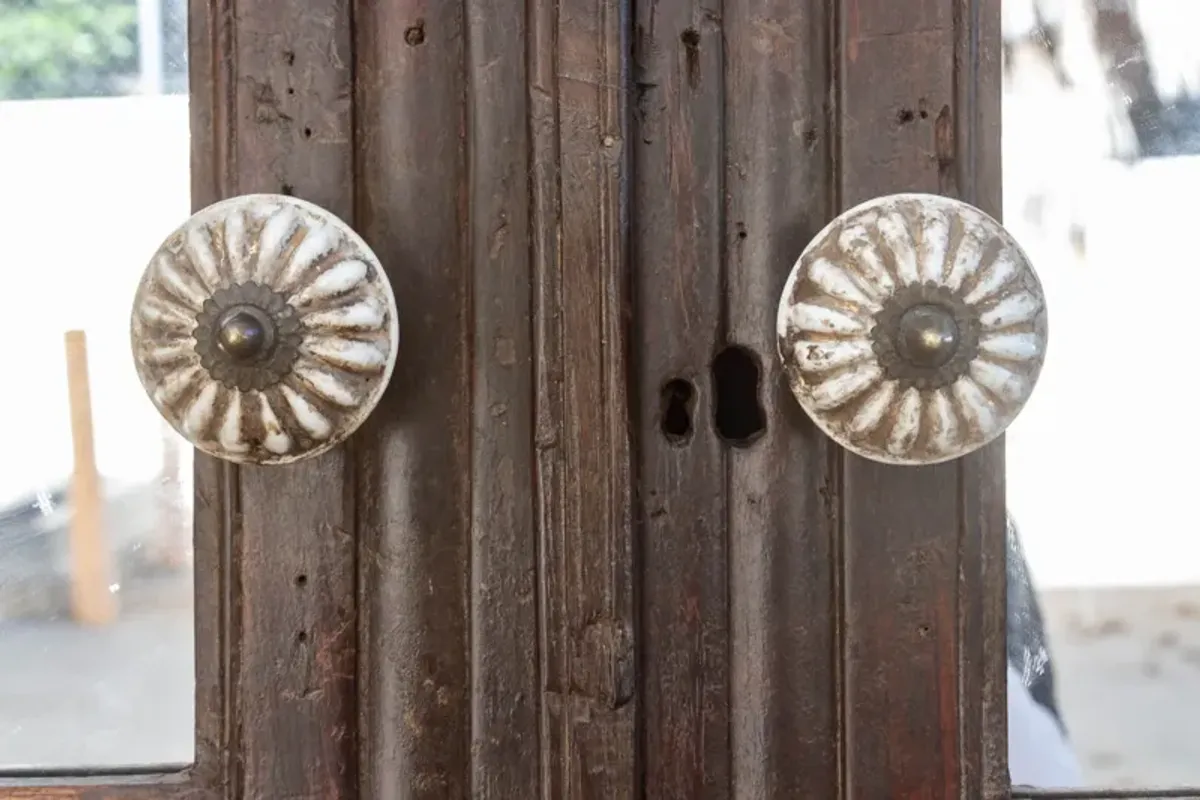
point(215, 485)
point(292, 684)
point(578, 68)
point(678, 194)
point(505, 755)
point(784, 607)
point(545, 254)
point(917, 109)
point(482, 678)
point(415, 453)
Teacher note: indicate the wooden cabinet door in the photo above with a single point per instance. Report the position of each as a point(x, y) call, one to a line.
point(588, 546)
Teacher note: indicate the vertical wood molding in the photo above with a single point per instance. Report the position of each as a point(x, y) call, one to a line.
point(784, 607)
point(288, 129)
point(678, 222)
point(414, 454)
point(215, 485)
point(578, 74)
point(982, 536)
point(495, 559)
point(505, 691)
point(923, 679)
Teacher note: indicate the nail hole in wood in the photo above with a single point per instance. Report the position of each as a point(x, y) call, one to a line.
point(691, 49)
point(287, 189)
point(302, 637)
point(414, 35)
point(737, 379)
point(301, 580)
point(676, 402)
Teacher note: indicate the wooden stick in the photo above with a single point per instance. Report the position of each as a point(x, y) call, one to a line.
point(174, 532)
point(92, 602)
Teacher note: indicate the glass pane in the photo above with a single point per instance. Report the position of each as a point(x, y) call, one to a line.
point(96, 666)
point(1102, 162)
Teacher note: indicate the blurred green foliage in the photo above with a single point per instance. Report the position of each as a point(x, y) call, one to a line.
point(67, 48)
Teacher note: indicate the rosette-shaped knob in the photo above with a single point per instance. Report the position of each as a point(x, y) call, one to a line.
point(264, 330)
point(912, 329)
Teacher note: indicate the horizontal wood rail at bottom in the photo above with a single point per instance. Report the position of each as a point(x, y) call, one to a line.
point(107, 791)
point(1027, 793)
point(116, 784)
point(182, 786)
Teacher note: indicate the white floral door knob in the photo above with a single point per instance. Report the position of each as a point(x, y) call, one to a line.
point(912, 329)
point(264, 330)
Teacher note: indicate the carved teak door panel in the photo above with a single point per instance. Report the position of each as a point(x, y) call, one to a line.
point(588, 545)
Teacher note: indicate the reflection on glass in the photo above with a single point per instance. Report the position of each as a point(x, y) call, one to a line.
point(1102, 161)
point(96, 665)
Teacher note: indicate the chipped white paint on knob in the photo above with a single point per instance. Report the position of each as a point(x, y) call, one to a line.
point(264, 330)
point(912, 329)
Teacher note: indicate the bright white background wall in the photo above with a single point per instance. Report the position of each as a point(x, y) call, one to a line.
point(1102, 463)
point(88, 190)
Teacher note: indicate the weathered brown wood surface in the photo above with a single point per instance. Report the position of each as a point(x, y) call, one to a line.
point(922, 650)
point(415, 492)
point(588, 546)
point(677, 224)
point(292, 672)
point(783, 602)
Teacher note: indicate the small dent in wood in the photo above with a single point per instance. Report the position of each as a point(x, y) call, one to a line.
point(737, 378)
point(267, 110)
point(677, 399)
point(907, 115)
point(414, 35)
point(944, 146)
point(691, 51)
point(506, 351)
point(603, 670)
point(641, 107)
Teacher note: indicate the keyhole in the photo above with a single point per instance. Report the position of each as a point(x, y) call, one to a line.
point(740, 417)
point(676, 401)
